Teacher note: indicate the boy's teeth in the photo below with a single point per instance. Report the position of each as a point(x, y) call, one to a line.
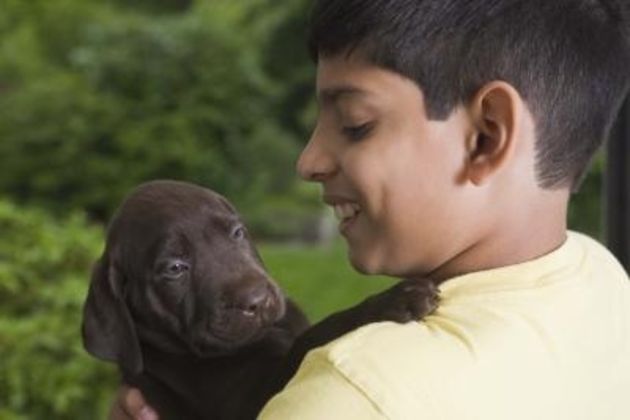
point(346, 211)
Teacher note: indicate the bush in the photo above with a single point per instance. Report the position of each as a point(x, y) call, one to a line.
point(126, 99)
point(284, 218)
point(44, 274)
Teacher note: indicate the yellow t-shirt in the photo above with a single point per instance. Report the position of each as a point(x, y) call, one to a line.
point(548, 339)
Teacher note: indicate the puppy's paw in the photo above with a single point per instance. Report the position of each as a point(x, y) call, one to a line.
point(406, 301)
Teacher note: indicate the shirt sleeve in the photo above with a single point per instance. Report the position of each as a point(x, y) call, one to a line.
point(320, 391)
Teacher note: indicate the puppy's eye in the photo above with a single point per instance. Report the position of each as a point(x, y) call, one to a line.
point(175, 269)
point(239, 233)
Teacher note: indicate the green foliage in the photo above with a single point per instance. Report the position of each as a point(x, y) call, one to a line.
point(320, 279)
point(44, 274)
point(121, 98)
point(284, 218)
point(156, 6)
point(286, 60)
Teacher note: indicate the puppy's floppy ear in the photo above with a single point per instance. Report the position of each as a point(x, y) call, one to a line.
point(108, 329)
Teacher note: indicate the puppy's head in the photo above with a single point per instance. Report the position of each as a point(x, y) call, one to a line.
point(179, 273)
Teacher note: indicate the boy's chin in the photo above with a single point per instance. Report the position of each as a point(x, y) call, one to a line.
point(366, 264)
point(376, 264)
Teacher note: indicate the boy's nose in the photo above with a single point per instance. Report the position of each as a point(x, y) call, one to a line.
point(316, 163)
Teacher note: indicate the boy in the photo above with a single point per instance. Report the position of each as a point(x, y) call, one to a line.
point(450, 135)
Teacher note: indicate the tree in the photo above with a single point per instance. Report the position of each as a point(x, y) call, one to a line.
point(135, 98)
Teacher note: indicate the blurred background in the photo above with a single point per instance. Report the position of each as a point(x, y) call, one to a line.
point(97, 96)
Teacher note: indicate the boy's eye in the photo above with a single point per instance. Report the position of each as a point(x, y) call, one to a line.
point(357, 132)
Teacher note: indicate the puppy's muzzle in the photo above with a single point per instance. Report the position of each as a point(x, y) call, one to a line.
point(246, 310)
point(256, 301)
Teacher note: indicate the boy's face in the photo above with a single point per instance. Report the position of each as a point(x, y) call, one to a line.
point(393, 176)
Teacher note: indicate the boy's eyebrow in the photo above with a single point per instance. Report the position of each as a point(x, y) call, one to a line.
point(332, 94)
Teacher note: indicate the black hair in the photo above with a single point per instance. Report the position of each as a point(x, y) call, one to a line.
point(569, 60)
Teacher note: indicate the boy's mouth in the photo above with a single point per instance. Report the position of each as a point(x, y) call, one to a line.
point(346, 209)
point(346, 213)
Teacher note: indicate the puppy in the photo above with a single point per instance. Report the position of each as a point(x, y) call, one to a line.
point(181, 301)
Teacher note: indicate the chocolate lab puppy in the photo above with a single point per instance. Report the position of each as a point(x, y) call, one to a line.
point(181, 301)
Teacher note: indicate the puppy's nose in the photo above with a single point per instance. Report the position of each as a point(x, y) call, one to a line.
point(252, 300)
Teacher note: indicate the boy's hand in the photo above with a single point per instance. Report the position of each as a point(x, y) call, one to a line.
point(131, 405)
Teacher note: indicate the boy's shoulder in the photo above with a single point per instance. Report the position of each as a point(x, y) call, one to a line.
point(505, 332)
point(469, 301)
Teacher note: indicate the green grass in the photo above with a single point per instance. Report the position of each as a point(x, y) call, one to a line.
point(319, 279)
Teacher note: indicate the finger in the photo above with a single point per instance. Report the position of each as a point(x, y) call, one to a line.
point(131, 405)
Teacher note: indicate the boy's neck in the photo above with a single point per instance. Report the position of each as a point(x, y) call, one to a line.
point(524, 233)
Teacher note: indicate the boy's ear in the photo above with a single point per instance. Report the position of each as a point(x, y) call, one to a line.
point(495, 111)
